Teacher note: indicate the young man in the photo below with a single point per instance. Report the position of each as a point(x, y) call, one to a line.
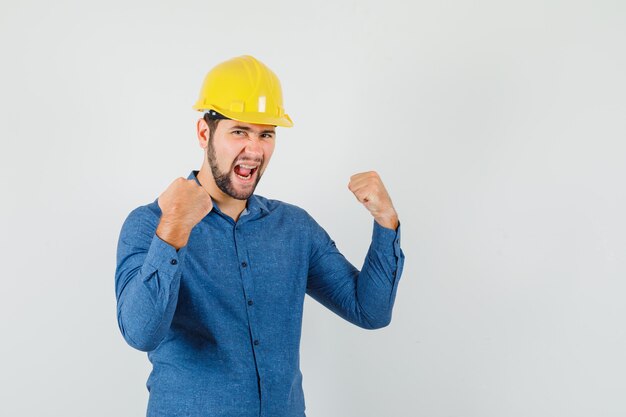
point(211, 278)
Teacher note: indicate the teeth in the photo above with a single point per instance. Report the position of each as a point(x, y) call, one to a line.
point(248, 166)
point(244, 178)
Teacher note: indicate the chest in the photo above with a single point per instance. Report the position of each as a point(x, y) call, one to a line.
point(232, 262)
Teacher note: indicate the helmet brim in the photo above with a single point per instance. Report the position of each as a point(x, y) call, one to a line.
point(250, 117)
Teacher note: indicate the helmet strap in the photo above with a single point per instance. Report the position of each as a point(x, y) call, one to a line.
point(213, 115)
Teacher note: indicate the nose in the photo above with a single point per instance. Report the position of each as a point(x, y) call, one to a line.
point(254, 146)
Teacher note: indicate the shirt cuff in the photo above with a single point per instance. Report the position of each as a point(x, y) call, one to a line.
point(386, 240)
point(163, 257)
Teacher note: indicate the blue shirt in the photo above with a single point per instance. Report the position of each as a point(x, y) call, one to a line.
point(221, 317)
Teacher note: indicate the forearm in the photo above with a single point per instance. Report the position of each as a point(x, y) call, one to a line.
point(364, 298)
point(173, 231)
point(147, 283)
point(378, 279)
point(146, 308)
point(388, 220)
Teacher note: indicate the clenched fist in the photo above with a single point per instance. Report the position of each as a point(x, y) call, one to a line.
point(368, 188)
point(183, 204)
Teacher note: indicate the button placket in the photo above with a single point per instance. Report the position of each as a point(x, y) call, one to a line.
point(247, 283)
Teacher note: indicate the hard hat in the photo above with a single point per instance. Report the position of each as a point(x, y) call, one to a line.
point(244, 89)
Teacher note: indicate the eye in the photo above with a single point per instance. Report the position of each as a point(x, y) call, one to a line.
point(239, 133)
point(267, 135)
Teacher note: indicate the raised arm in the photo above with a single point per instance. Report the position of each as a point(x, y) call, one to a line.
point(149, 256)
point(364, 297)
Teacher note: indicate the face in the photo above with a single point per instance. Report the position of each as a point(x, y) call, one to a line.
point(238, 154)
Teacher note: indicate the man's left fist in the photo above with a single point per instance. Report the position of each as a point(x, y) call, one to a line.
point(368, 188)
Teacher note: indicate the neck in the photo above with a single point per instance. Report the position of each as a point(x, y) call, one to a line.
point(227, 205)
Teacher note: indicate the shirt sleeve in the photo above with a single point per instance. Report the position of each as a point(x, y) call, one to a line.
point(364, 297)
point(147, 280)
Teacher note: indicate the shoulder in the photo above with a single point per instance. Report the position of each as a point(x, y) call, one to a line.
point(140, 225)
point(146, 214)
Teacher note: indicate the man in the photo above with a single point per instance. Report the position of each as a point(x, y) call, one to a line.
point(211, 278)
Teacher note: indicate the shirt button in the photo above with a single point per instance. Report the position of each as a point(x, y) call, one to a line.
point(393, 273)
point(250, 302)
point(244, 264)
point(256, 342)
point(173, 261)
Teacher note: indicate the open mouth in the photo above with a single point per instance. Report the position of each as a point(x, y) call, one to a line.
point(244, 171)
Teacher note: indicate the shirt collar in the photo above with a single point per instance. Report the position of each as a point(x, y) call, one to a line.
point(254, 203)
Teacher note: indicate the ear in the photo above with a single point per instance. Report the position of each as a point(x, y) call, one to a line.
point(202, 130)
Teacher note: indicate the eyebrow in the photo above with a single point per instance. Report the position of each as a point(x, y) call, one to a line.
point(247, 129)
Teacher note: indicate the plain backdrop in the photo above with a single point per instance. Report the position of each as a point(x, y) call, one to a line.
point(498, 127)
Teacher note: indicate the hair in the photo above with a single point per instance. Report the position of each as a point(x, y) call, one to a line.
point(212, 123)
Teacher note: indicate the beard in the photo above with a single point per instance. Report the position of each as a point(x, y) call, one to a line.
point(223, 180)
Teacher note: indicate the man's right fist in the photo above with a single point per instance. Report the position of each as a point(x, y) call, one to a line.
point(183, 204)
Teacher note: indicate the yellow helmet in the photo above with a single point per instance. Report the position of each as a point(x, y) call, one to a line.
point(244, 89)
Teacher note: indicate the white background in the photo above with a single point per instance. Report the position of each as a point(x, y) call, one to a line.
point(498, 128)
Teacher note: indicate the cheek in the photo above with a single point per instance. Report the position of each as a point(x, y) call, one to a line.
point(268, 150)
point(221, 148)
point(232, 151)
